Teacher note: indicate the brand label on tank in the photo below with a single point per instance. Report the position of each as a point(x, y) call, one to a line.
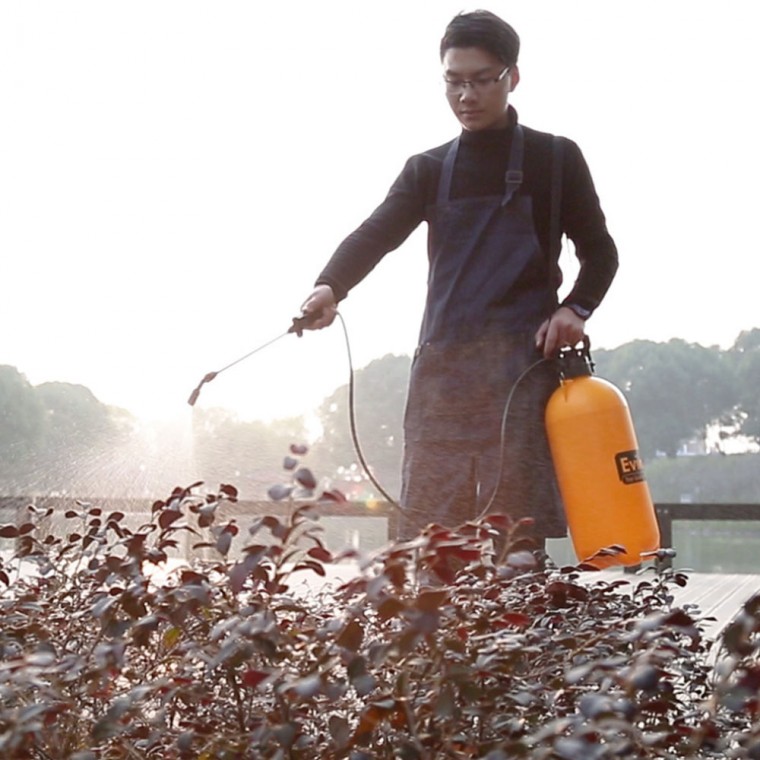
point(629, 466)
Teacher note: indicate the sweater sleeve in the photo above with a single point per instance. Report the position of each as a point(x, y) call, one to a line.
point(389, 225)
point(584, 223)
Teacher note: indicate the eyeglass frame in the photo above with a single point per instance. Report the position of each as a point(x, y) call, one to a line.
point(479, 83)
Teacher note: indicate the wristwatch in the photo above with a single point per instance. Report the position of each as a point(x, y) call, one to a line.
point(579, 310)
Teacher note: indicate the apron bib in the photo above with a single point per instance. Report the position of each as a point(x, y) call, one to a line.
point(487, 270)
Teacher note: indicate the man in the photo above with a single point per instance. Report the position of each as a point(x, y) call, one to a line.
point(497, 200)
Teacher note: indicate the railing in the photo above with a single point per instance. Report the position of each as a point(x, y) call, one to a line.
point(11, 509)
point(667, 514)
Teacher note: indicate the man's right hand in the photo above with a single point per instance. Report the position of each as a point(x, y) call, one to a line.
point(322, 304)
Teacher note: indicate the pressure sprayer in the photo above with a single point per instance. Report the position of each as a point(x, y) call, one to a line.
point(609, 510)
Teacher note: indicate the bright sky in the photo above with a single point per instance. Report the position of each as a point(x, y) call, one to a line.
point(174, 174)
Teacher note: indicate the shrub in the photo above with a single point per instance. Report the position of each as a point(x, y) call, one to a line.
point(432, 649)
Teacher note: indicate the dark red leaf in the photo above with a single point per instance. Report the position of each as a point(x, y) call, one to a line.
point(351, 636)
point(207, 515)
point(320, 553)
point(155, 556)
point(679, 618)
point(190, 576)
point(306, 564)
point(333, 495)
point(390, 607)
point(516, 619)
point(229, 491)
point(504, 522)
point(304, 477)
point(431, 601)
point(252, 678)
point(167, 517)
point(25, 546)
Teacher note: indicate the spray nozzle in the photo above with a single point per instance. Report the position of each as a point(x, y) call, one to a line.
point(207, 378)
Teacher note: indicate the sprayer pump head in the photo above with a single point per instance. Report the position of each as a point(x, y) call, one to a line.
point(575, 361)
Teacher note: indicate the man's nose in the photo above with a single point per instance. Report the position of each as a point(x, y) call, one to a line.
point(467, 94)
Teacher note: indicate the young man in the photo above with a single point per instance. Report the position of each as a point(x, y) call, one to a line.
point(497, 200)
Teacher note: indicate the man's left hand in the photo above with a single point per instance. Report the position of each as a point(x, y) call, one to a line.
point(563, 328)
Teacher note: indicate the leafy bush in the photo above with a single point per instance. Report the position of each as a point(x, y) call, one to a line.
point(432, 649)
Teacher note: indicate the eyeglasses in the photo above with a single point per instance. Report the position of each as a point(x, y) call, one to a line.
point(479, 84)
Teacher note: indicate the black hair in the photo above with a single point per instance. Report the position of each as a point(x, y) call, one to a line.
point(485, 30)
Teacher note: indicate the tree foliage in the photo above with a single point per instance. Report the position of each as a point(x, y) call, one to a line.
point(57, 437)
point(674, 389)
point(712, 479)
point(22, 418)
point(431, 650)
point(380, 395)
point(50, 431)
point(226, 447)
point(745, 356)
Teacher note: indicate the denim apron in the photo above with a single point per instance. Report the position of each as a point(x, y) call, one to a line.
point(489, 289)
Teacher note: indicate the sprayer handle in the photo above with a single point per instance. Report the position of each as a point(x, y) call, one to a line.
point(300, 323)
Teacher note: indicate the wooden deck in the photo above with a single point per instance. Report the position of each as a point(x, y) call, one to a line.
point(718, 596)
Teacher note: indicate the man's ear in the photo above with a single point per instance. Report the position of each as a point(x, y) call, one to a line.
point(514, 77)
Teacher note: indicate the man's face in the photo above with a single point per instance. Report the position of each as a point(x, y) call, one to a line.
point(477, 87)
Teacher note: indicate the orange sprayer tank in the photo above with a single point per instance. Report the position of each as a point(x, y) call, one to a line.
point(600, 474)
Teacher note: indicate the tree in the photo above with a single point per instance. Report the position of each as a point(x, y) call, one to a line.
point(80, 433)
point(745, 357)
point(74, 415)
point(380, 394)
point(248, 454)
point(674, 389)
point(712, 479)
point(22, 422)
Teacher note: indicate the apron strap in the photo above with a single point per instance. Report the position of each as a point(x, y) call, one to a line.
point(514, 176)
point(512, 179)
point(447, 171)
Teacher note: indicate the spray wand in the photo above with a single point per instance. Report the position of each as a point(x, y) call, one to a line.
point(298, 326)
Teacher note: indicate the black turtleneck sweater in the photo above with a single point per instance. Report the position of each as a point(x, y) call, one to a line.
point(479, 171)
